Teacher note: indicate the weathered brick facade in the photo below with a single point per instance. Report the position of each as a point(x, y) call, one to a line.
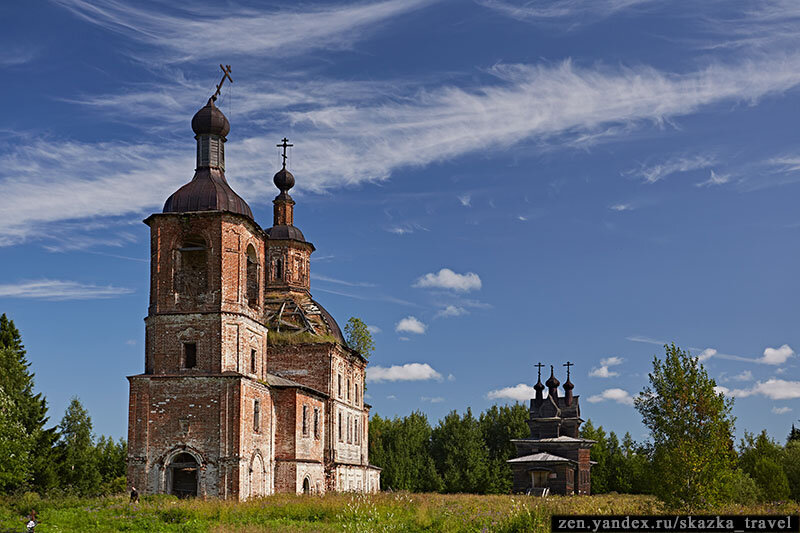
point(223, 409)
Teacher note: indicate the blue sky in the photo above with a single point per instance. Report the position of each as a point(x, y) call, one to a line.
point(488, 183)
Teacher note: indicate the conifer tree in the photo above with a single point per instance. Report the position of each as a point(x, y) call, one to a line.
point(499, 425)
point(31, 409)
point(15, 447)
point(692, 432)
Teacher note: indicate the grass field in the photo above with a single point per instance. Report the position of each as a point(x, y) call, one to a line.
point(332, 512)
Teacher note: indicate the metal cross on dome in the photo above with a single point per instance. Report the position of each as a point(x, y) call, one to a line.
point(539, 366)
point(226, 73)
point(284, 144)
point(568, 364)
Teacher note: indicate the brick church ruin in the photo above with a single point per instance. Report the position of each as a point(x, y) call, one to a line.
point(554, 459)
point(249, 387)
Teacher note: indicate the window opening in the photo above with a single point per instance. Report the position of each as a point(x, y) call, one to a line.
point(316, 423)
point(191, 269)
point(189, 355)
point(340, 427)
point(253, 361)
point(252, 277)
point(256, 416)
point(305, 420)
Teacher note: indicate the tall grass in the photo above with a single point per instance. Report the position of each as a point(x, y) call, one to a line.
point(401, 512)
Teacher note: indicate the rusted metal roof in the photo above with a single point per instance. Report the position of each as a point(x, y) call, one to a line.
point(208, 191)
point(210, 121)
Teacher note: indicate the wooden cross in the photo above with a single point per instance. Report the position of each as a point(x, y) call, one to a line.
point(568, 364)
point(539, 367)
point(226, 73)
point(284, 144)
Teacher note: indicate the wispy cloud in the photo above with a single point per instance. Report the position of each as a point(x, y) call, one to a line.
point(781, 410)
point(406, 372)
point(320, 277)
point(519, 392)
point(714, 179)
point(659, 171)
point(374, 329)
point(465, 200)
point(548, 10)
point(616, 395)
point(410, 324)
point(57, 290)
point(360, 140)
point(621, 207)
point(447, 279)
point(14, 56)
point(434, 399)
point(238, 30)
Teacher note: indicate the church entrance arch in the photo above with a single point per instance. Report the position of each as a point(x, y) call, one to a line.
point(306, 486)
point(257, 476)
point(182, 474)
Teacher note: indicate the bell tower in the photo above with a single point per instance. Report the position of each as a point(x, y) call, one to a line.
point(199, 413)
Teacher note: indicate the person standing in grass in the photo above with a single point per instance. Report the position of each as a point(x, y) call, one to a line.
point(134, 495)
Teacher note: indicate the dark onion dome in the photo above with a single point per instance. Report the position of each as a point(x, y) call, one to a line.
point(568, 386)
point(208, 191)
point(336, 333)
point(284, 180)
point(538, 386)
point(283, 232)
point(210, 121)
point(552, 382)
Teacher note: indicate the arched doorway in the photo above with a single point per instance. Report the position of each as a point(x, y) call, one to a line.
point(257, 477)
point(306, 486)
point(183, 474)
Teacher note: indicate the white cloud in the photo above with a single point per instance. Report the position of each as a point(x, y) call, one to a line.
point(466, 200)
point(621, 207)
point(447, 279)
point(410, 324)
point(520, 392)
point(451, 311)
point(775, 389)
point(657, 172)
point(51, 289)
point(451, 377)
point(719, 389)
point(706, 354)
point(391, 397)
point(435, 399)
point(406, 372)
point(239, 30)
point(744, 376)
point(130, 342)
point(617, 395)
point(781, 410)
point(776, 356)
point(603, 371)
point(374, 329)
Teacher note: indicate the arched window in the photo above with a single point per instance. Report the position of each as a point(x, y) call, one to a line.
point(278, 269)
point(252, 277)
point(191, 266)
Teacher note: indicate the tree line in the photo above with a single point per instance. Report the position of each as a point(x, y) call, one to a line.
point(689, 461)
point(67, 457)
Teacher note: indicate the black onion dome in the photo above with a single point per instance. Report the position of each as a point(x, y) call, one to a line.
point(284, 232)
point(210, 120)
point(208, 191)
point(538, 385)
point(284, 180)
point(568, 385)
point(335, 331)
point(552, 382)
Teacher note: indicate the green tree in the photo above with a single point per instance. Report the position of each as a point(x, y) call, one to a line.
point(770, 479)
point(601, 475)
point(460, 453)
point(794, 434)
point(358, 337)
point(77, 457)
point(30, 409)
point(111, 460)
point(402, 447)
point(692, 432)
point(791, 465)
point(15, 446)
point(499, 425)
